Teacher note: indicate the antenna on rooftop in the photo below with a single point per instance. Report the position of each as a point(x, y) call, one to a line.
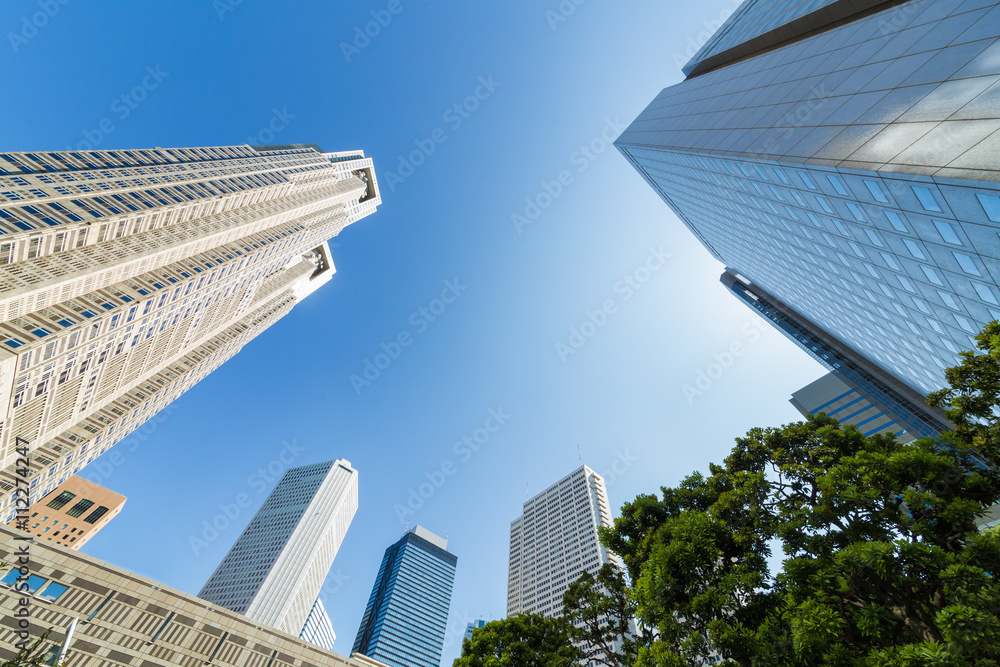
point(525, 490)
point(578, 451)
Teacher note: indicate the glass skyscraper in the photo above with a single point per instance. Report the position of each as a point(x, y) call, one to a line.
point(841, 156)
point(274, 571)
point(407, 614)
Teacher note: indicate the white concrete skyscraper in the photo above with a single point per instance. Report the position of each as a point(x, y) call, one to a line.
point(274, 572)
point(317, 629)
point(127, 276)
point(555, 540)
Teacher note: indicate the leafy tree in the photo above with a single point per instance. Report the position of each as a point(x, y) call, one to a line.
point(883, 564)
point(602, 612)
point(525, 640)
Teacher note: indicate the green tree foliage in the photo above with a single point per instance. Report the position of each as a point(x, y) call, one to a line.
point(525, 640)
point(883, 565)
point(602, 612)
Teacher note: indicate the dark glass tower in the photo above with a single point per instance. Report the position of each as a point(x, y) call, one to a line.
point(407, 614)
point(842, 156)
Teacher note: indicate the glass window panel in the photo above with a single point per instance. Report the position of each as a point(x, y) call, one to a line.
point(947, 232)
point(967, 264)
point(876, 190)
point(991, 205)
point(926, 198)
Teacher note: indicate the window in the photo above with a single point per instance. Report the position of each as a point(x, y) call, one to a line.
point(825, 204)
point(926, 198)
point(77, 510)
point(876, 191)
point(914, 249)
point(96, 514)
point(947, 232)
point(837, 184)
point(53, 592)
point(60, 500)
point(856, 211)
point(966, 263)
point(807, 179)
point(991, 205)
point(985, 293)
point(932, 275)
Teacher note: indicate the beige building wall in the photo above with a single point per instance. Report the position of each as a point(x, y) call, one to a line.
point(127, 276)
point(72, 513)
point(129, 620)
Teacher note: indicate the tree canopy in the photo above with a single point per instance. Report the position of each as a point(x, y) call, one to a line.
point(525, 640)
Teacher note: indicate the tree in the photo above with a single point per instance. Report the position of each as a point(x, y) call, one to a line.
point(525, 640)
point(602, 613)
point(883, 563)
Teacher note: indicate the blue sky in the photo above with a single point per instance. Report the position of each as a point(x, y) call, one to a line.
point(601, 255)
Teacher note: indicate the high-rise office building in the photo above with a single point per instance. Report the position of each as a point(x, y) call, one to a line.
point(475, 625)
point(555, 540)
point(274, 572)
point(834, 397)
point(407, 614)
point(72, 513)
point(841, 156)
point(127, 276)
point(105, 615)
point(318, 629)
point(903, 404)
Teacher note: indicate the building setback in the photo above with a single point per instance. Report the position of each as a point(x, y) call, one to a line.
point(841, 156)
point(274, 571)
point(407, 614)
point(72, 513)
point(129, 275)
point(835, 398)
point(124, 618)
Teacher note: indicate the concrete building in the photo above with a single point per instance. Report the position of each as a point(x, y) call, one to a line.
point(840, 155)
point(318, 629)
point(126, 619)
point(555, 540)
point(72, 513)
point(129, 275)
point(274, 572)
point(831, 395)
point(407, 614)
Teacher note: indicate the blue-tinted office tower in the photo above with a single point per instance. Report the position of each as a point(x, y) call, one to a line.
point(841, 156)
point(407, 614)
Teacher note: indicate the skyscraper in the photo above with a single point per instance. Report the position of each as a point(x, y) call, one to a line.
point(274, 572)
point(841, 156)
point(555, 540)
point(474, 625)
point(407, 614)
point(129, 275)
point(72, 513)
point(318, 629)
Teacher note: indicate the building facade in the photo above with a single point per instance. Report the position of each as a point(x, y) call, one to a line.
point(318, 629)
point(274, 571)
point(841, 156)
point(555, 540)
point(72, 513)
point(127, 276)
point(475, 625)
point(834, 397)
point(407, 614)
point(126, 619)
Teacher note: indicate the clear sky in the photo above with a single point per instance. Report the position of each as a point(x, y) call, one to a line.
point(553, 87)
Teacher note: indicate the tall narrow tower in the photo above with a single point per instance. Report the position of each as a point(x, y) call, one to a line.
point(274, 572)
point(127, 276)
point(407, 614)
point(555, 540)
